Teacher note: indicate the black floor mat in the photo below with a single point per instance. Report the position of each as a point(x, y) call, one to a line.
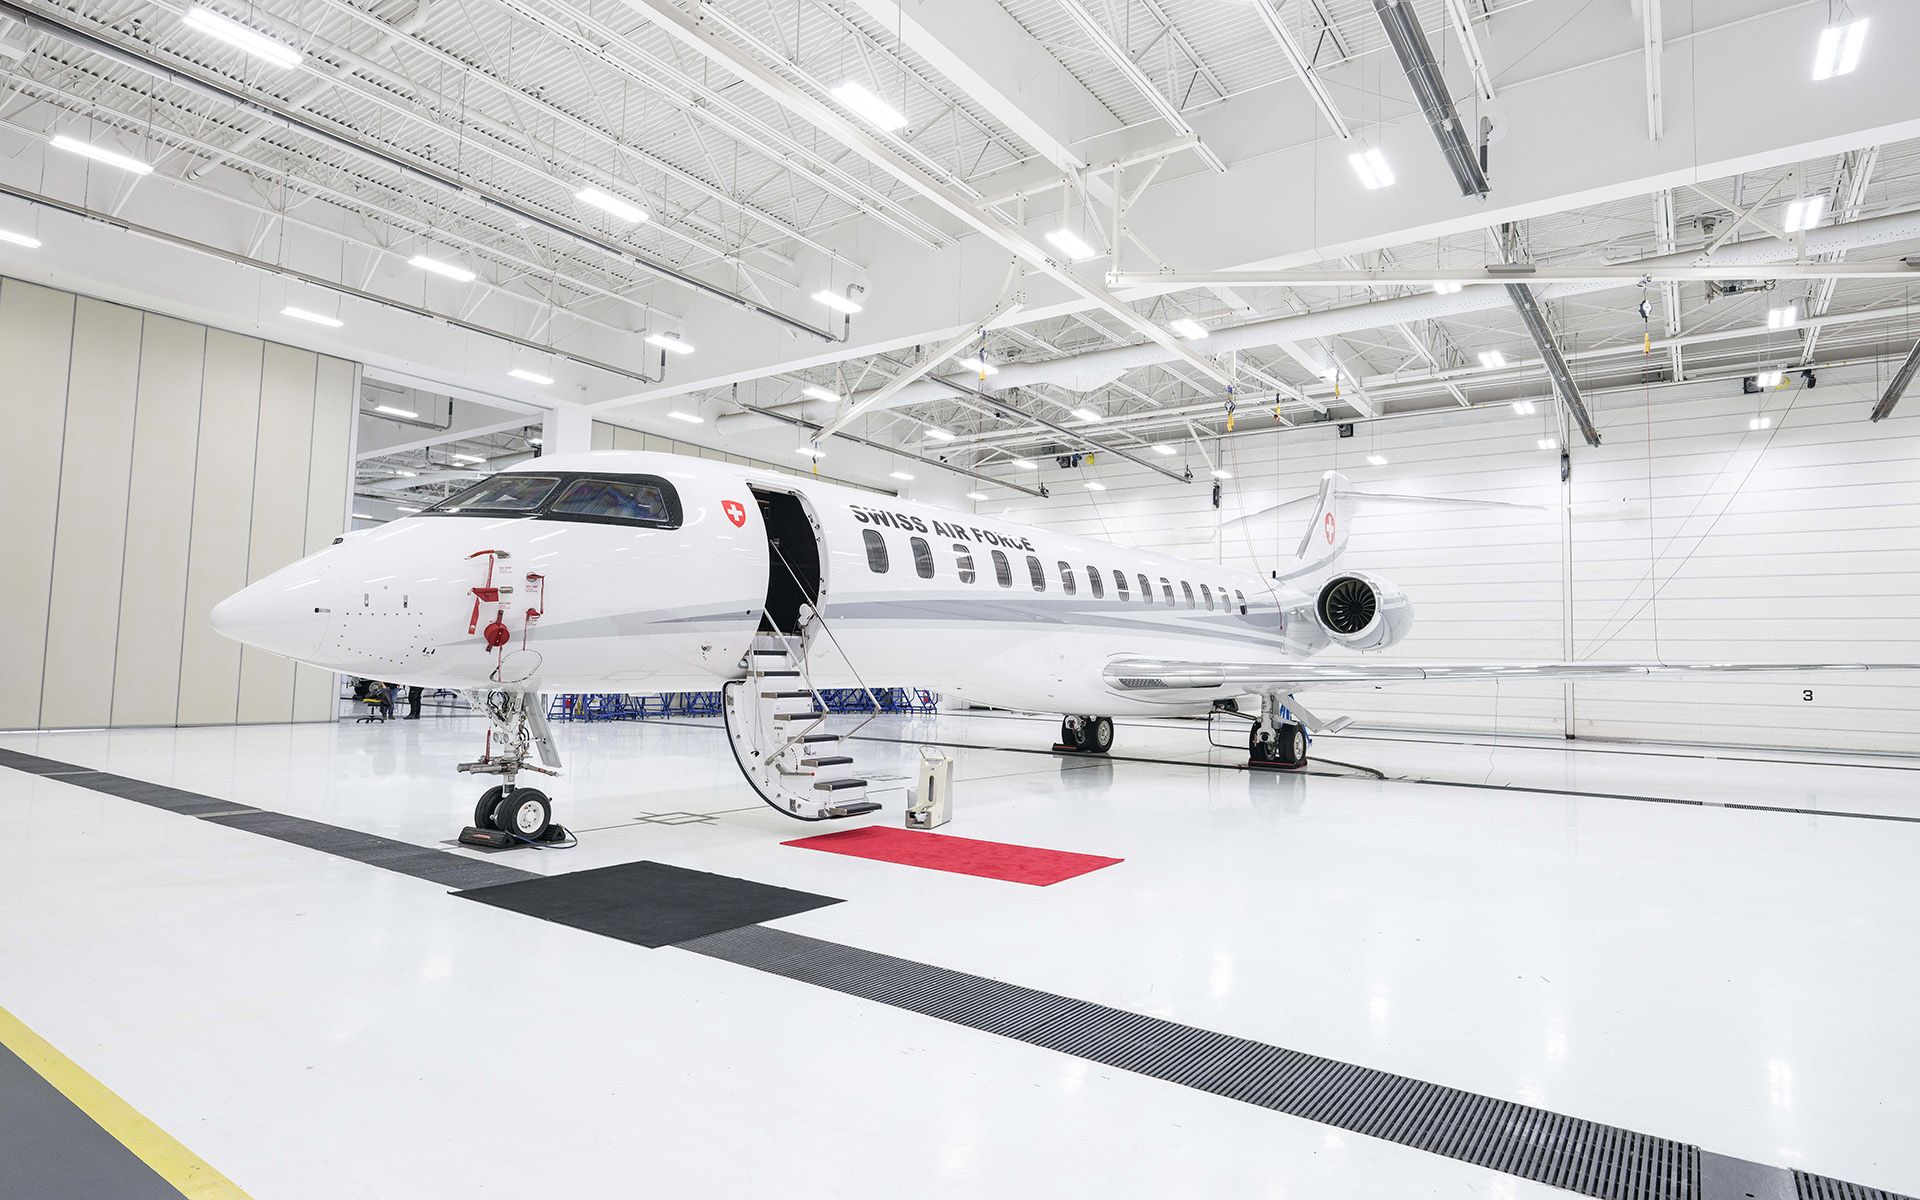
point(648, 903)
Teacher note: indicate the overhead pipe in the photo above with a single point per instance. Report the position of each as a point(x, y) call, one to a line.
point(1898, 386)
point(1375, 314)
point(59, 28)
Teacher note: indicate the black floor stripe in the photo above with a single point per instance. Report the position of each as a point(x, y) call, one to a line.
point(1567, 1152)
point(405, 858)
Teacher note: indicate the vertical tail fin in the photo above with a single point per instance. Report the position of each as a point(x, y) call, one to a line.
point(1324, 540)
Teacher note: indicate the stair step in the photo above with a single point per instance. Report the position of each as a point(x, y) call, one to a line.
point(781, 653)
point(786, 695)
point(838, 785)
point(816, 738)
point(853, 808)
point(812, 714)
point(831, 760)
point(774, 674)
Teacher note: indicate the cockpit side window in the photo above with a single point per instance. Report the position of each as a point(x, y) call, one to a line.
point(621, 500)
point(501, 493)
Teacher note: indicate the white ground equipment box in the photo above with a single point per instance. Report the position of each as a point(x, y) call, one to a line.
point(933, 796)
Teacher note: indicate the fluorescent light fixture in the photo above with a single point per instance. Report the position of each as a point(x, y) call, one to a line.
point(362, 517)
point(1767, 379)
point(1523, 407)
point(1162, 448)
point(819, 393)
point(1446, 287)
point(689, 418)
point(1087, 414)
point(810, 452)
point(980, 365)
point(870, 106)
point(396, 411)
point(937, 434)
point(301, 314)
point(1371, 166)
point(1377, 460)
point(1188, 328)
point(976, 495)
point(1026, 464)
point(113, 158)
point(1071, 244)
point(531, 376)
point(1760, 423)
point(19, 239)
point(1219, 473)
point(405, 474)
point(450, 270)
point(1094, 485)
point(902, 475)
point(1492, 360)
point(836, 301)
point(403, 508)
point(466, 458)
point(607, 202)
point(1548, 444)
point(1839, 50)
point(670, 342)
point(1784, 317)
point(233, 33)
point(1804, 213)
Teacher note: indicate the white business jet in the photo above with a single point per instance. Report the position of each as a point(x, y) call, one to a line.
point(623, 572)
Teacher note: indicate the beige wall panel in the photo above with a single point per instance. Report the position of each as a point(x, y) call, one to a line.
point(278, 534)
point(222, 511)
point(36, 331)
point(628, 439)
point(327, 470)
point(83, 618)
point(602, 436)
point(153, 584)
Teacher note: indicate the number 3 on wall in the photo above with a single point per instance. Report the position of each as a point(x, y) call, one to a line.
point(1807, 694)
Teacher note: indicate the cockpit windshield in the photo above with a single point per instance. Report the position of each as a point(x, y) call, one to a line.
point(623, 500)
point(501, 493)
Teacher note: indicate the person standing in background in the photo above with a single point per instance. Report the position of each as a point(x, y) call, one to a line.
point(413, 702)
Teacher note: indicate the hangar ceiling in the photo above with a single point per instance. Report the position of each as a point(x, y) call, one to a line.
point(1198, 150)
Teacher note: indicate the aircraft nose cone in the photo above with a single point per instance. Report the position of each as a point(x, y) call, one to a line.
point(286, 613)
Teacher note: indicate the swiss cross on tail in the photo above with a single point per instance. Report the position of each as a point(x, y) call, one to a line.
point(1329, 529)
point(736, 512)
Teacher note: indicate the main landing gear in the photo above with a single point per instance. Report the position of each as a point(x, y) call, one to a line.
point(1086, 735)
point(1276, 741)
point(507, 814)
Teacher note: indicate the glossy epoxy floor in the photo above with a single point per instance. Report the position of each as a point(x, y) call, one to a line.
point(1526, 920)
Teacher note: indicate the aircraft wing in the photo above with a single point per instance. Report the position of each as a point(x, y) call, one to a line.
point(1159, 674)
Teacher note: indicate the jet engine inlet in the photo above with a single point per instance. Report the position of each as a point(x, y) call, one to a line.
point(1347, 605)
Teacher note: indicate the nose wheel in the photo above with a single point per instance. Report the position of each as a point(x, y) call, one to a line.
point(508, 815)
point(1086, 735)
point(519, 812)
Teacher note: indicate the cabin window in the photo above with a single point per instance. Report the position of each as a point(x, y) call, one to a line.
point(1038, 573)
point(1187, 589)
point(963, 556)
point(1094, 581)
point(1167, 587)
point(1206, 593)
point(922, 558)
point(617, 500)
point(1066, 579)
point(1226, 605)
point(1146, 589)
point(1120, 584)
point(1242, 599)
point(876, 551)
point(1002, 569)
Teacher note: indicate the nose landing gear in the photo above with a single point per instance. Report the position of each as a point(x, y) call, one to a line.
point(1276, 739)
point(1086, 735)
point(507, 814)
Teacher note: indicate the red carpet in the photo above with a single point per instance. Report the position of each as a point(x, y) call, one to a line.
point(962, 856)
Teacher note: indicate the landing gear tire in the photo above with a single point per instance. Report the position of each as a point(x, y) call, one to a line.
point(1287, 747)
point(523, 812)
point(1099, 734)
point(483, 811)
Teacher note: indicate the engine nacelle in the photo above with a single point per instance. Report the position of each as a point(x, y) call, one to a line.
point(1362, 612)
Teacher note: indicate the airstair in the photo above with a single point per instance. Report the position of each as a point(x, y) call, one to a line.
point(775, 721)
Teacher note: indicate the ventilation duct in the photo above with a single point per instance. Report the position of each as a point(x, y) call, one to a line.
point(1430, 90)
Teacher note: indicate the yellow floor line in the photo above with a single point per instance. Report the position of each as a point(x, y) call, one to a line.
point(186, 1171)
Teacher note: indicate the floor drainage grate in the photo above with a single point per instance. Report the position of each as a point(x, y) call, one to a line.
point(1567, 1152)
point(1819, 1187)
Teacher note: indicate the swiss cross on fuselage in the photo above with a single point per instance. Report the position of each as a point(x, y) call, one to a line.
point(736, 512)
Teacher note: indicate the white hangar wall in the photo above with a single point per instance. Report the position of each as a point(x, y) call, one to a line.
point(153, 466)
point(1799, 541)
